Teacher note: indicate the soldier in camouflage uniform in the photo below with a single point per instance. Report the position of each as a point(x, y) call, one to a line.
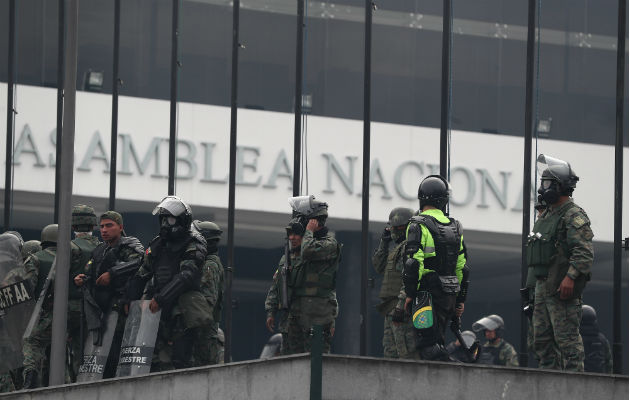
point(399, 337)
point(83, 223)
point(105, 276)
point(37, 267)
point(171, 272)
point(560, 255)
point(313, 282)
point(273, 302)
point(496, 351)
point(207, 349)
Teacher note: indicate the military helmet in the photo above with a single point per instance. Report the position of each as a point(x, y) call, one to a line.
point(308, 207)
point(83, 217)
point(400, 216)
point(554, 169)
point(31, 247)
point(17, 235)
point(209, 230)
point(490, 323)
point(320, 209)
point(469, 338)
point(173, 206)
point(49, 234)
point(589, 315)
point(434, 190)
point(296, 226)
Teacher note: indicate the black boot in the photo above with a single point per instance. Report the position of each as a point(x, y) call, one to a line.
point(30, 379)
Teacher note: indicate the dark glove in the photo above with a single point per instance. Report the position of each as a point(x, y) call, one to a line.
point(398, 315)
point(387, 234)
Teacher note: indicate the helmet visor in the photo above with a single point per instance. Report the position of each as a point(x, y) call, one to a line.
point(173, 204)
point(485, 323)
point(302, 204)
point(546, 164)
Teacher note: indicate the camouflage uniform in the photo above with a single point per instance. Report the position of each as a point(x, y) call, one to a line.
point(273, 302)
point(502, 353)
point(81, 250)
point(37, 268)
point(563, 248)
point(208, 348)
point(314, 298)
point(398, 341)
point(6, 383)
point(109, 298)
point(186, 312)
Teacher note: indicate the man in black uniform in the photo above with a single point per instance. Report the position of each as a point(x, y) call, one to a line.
point(171, 271)
point(597, 355)
point(433, 270)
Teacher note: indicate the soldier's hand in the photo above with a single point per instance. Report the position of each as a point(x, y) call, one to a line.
point(79, 279)
point(387, 234)
point(104, 279)
point(408, 302)
point(312, 225)
point(270, 323)
point(154, 306)
point(459, 310)
point(566, 288)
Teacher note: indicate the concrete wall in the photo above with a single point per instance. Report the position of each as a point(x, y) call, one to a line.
point(345, 377)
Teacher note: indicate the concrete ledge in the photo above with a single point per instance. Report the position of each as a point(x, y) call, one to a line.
point(345, 377)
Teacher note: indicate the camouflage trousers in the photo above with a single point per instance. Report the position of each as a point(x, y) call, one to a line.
point(557, 340)
point(299, 337)
point(6, 382)
point(208, 350)
point(399, 341)
point(174, 346)
point(34, 348)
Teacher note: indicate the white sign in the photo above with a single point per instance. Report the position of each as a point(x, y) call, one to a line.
point(486, 169)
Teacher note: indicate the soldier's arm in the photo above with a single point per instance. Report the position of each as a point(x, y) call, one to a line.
point(414, 263)
point(608, 361)
point(379, 259)
point(580, 242)
point(208, 282)
point(189, 276)
point(510, 356)
point(461, 260)
point(318, 249)
point(130, 261)
point(272, 300)
point(136, 284)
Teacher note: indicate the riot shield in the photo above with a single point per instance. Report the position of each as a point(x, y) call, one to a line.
point(16, 302)
point(96, 350)
point(138, 341)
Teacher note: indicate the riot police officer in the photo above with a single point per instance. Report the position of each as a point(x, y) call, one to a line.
point(399, 337)
point(314, 295)
point(496, 351)
point(597, 354)
point(171, 271)
point(559, 256)
point(433, 272)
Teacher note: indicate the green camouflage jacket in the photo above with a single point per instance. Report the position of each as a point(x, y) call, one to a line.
point(507, 355)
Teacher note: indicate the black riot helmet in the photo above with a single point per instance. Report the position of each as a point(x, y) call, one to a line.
point(209, 230)
point(589, 316)
point(307, 207)
point(175, 217)
point(434, 191)
point(557, 178)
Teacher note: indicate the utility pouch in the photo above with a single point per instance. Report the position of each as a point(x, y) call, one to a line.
point(450, 284)
point(422, 311)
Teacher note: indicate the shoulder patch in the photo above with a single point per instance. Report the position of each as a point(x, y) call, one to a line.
point(578, 221)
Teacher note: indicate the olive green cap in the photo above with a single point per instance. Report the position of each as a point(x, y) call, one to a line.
point(113, 215)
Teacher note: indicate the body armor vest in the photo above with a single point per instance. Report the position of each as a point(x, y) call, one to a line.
point(167, 262)
point(392, 279)
point(594, 353)
point(541, 246)
point(447, 239)
point(46, 258)
point(490, 354)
